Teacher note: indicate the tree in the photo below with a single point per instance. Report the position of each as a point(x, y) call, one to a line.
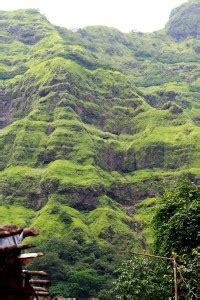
point(143, 278)
point(177, 228)
point(176, 225)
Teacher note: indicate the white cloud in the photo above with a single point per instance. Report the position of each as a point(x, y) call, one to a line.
point(143, 15)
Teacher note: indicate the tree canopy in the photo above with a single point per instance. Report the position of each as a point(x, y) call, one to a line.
point(176, 227)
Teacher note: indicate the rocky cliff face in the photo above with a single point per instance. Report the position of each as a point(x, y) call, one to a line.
point(93, 124)
point(5, 109)
point(185, 21)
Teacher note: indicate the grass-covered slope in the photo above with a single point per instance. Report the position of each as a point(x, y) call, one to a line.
point(94, 124)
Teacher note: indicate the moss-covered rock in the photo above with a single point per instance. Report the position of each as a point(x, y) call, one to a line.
point(184, 21)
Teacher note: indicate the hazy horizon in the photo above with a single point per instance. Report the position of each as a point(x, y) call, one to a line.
point(126, 15)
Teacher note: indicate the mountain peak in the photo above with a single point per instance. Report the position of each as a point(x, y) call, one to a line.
point(184, 21)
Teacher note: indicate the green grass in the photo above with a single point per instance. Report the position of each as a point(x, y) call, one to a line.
point(144, 212)
point(18, 215)
point(114, 217)
point(69, 173)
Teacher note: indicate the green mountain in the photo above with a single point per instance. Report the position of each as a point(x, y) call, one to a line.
point(94, 124)
point(185, 21)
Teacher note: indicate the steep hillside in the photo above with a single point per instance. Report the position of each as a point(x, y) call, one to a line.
point(94, 125)
point(185, 21)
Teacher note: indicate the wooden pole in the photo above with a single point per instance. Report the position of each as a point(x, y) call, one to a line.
point(175, 279)
point(173, 259)
point(37, 273)
point(151, 255)
point(39, 281)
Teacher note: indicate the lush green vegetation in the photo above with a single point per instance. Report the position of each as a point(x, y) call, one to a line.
point(94, 124)
point(176, 230)
point(143, 278)
point(176, 224)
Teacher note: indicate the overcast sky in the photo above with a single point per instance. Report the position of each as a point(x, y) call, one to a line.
point(126, 15)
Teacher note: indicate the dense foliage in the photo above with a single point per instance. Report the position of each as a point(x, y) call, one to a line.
point(177, 229)
point(143, 278)
point(78, 269)
point(177, 220)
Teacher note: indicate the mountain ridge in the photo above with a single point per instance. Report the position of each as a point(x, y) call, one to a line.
point(94, 125)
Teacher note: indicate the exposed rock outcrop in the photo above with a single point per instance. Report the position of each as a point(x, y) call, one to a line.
point(185, 21)
point(5, 105)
